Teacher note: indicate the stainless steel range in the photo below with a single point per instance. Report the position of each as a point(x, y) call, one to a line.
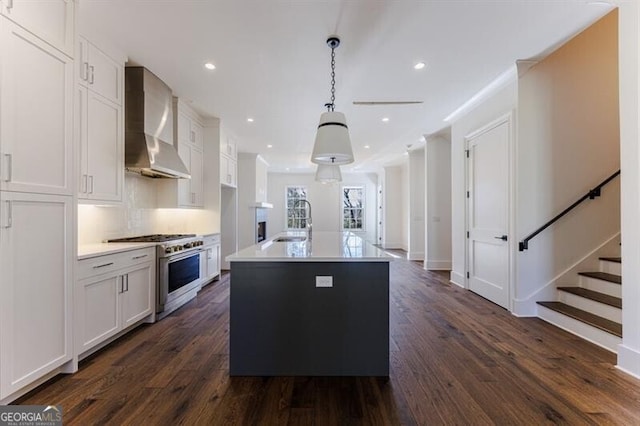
point(178, 274)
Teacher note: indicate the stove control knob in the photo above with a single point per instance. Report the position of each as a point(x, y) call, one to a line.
point(188, 245)
point(168, 250)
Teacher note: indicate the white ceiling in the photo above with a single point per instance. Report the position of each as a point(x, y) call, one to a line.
point(273, 64)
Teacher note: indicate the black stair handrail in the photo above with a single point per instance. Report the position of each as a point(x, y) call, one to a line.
point(593, 193)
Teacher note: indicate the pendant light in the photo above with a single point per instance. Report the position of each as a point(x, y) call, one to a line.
point(332, 145)
point(328, 173)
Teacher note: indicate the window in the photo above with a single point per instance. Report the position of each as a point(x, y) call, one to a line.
point(296, 211)
point(353, 208)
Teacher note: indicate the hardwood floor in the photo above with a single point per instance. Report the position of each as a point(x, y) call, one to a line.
point(455, 359)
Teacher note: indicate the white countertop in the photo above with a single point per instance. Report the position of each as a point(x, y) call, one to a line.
point(86, 251)
point(323, 247)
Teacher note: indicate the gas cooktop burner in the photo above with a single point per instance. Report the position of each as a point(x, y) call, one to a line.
point(156, 238)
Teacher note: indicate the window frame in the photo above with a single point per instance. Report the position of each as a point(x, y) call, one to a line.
point(286, 206)
point(362, 208)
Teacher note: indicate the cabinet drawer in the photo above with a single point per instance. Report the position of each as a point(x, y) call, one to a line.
point(111, 262)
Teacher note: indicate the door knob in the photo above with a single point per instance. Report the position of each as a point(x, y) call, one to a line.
point(503, 238)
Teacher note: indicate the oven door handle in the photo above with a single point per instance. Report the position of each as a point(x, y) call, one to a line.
point(175, 258)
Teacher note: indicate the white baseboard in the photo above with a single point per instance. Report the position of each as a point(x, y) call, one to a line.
point(457, 279)
point(629, 360)
point(415, 255)
point(438, 265)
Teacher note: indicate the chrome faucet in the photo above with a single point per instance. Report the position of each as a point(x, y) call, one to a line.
point(308, 220)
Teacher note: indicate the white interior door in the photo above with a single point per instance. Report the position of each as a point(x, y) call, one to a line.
point(487, 212)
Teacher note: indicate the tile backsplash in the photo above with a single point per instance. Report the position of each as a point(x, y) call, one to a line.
point(138, 215)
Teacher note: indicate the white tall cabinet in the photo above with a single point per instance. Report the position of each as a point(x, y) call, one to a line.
point(37, 202)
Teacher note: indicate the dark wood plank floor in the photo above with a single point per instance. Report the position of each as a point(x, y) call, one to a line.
point(455, 359)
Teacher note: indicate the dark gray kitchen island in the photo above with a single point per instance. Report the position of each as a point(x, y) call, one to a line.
point(310, 308)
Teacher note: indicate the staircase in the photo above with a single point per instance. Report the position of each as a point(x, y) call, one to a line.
point(593, 308)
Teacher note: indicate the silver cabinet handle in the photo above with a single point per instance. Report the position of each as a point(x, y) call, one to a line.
point(9, 4)
point(91, 76)
point(121, 289)
point(85, 71)
point(126, 278)
point(103, 265)
point(9, 169)
point(9, 216)
point(193, 136)
point(91, 184)
point(139, 257)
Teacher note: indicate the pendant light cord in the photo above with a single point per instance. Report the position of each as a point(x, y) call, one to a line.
point(333, 78)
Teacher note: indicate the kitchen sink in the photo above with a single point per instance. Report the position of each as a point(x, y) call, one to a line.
point(289, 239)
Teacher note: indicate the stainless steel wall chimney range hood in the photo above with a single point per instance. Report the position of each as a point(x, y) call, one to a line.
point(149, 148)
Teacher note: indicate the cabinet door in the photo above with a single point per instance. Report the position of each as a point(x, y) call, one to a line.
point(231, 170)
point(197, 135)
point(51, 20)
point(81, 105)
point(36, 254)
point(138, 294)
point(98, 310)
point(104, 75)
point(197, 178)
point(183, 131)
point(82, 61)
point(213, 261)
point(36, 112)
point(104, 149)
point(184, 185)
point(224, 170)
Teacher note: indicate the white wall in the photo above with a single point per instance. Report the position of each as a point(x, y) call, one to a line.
point(567, 143)
point(629, 63)
point(495, 106)
point(325, 199)
point(438, 202)
point(393, 207)
point(416, 203)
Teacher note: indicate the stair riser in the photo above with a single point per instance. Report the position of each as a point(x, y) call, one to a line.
point(580, 329)
point(611, 267)
point(602, 286)
point(597, 308)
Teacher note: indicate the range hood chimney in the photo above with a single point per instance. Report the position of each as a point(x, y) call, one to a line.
point(149, 148)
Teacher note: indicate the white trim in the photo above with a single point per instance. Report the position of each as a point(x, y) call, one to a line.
point(415, 255)
point(630, 358)
point(438, 265)
point(500, 82)
point(457, 279)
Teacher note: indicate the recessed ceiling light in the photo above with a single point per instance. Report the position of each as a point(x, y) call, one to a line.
point(209, 66)
point(269, 146)
point(419, 65)
point(385, 119)
point(287, 169)
point(250, 120)
point(367, 147)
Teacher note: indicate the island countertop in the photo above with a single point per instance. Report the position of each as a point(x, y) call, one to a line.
point(323, 247)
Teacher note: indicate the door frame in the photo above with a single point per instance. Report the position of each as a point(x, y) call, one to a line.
point(509, 119)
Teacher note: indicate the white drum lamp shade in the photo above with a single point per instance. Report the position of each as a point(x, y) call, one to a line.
point(332, 145)
point(328, 173)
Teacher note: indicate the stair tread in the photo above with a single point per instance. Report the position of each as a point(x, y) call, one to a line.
point(612, 259)
point(586, 317)
point(616, 302)
point(605, 276)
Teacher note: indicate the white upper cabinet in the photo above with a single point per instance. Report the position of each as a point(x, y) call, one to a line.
point(228, 147)
point(189, 136)
point(100, 72)
point(101, 147)
point(36, 112)
point(51, 20)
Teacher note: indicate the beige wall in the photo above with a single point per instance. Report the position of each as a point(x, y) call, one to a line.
point(567, 142)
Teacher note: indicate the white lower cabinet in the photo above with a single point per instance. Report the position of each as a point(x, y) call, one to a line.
point(36, 261)
point(114, 292)
point(210, 258)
